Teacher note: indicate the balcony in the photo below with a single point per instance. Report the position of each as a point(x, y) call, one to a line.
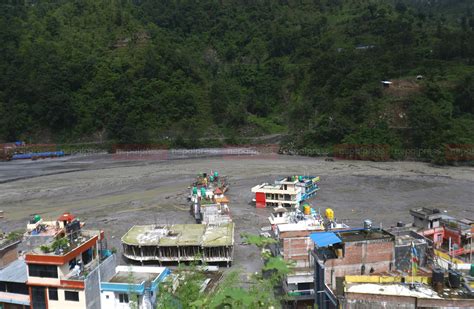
point(81, 274)
point(295, 294)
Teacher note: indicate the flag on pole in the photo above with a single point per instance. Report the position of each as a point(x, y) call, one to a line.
point(414, 259)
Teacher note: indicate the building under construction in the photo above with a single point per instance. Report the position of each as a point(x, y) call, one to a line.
point(180, 243)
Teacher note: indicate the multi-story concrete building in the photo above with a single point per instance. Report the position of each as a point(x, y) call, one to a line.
point(354, 252)
point(66, 272)
point(292, 230)
point(283, 193)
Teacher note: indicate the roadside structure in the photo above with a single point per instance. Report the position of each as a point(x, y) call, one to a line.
point(132, 287)
point(180, 243)
point(290, 192)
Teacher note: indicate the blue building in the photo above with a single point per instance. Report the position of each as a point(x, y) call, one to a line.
point(132, 284)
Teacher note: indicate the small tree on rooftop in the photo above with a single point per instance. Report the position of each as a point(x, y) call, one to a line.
point(61, 243)
point(133, 296)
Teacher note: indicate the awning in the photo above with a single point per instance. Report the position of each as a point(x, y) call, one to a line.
point(325, 239)
point(66, 217)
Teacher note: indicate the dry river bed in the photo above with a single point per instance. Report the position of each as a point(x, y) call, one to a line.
point(114, 194)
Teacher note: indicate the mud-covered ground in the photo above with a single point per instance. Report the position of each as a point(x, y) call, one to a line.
point(114, 193)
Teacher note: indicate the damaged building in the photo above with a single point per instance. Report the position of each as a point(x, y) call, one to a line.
point(180, 243)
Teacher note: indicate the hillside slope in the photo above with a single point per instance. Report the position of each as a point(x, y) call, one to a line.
point(148, 70)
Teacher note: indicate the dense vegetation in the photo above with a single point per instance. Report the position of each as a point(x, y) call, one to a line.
point(235, 290)
point(143, 70)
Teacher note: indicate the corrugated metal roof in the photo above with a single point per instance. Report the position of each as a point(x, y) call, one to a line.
point(15, 272)
point(325, 239)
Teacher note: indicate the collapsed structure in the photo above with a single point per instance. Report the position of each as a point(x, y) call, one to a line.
point(180, 243)
point(290, 191)
point(211, 240)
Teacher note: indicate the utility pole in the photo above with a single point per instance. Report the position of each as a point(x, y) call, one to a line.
point(470, 247)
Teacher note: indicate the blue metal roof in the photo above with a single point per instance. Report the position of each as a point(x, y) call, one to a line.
point(16, 271)
point(325, 239)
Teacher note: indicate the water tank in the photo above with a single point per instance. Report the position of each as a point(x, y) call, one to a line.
point(36, 218)
point(367, 224)
point(329, 214)
point(454, 279)
point(400, 224)
point(437, 277)
point(300, 178)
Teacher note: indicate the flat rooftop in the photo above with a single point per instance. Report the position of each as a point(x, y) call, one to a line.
point(132, 277)
point(428, 213)
point(181, 235)
point(135, 277)
point(83, 237)
point(421, 291)
point(407, 239)
point(363, 235)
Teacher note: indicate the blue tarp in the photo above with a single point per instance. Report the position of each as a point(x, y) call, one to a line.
point(325, 239)
point(48, 154)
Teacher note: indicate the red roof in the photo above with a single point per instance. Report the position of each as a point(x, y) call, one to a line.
point(66, 217)
point(217, 191)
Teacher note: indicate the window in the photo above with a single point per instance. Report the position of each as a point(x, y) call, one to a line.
point(72, 263)
point(53, 293)
point(123, 298)
point(45, 271)
point(71, 295)
point(38, 297)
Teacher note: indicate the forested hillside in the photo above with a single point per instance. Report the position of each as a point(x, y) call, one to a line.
point(146, 70)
